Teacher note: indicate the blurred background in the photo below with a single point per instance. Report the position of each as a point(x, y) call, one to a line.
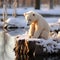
point(30, 3)
point(11, 15)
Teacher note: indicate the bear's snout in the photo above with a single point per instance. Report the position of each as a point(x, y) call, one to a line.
point(28, 24)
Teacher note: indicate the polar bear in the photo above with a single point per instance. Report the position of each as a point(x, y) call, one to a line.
point(39, 28)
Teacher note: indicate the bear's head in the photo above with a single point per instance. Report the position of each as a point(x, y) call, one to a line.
point(30, 17)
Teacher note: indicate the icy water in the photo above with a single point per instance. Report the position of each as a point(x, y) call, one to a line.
point(7, 44)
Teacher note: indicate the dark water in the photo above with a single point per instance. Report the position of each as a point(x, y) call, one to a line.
point(39, 58)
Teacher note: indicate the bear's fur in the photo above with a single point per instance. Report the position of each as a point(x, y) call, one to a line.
point(39, 28)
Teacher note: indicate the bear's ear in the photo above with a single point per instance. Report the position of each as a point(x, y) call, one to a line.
point(33, 14)
point(25, 14)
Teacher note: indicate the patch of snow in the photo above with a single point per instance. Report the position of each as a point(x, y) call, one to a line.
point(49, 45)
point(57, 37)
point(51, 19)
point(55, 26)
point(16, 22)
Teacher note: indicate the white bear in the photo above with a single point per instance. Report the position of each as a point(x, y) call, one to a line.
point(38, 25)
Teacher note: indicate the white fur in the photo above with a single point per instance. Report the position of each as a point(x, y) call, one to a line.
point(38, 26)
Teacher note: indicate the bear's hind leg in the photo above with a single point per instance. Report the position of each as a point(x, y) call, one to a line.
point(45, 35)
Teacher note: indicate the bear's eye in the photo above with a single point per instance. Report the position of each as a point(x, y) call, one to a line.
point(29, 19)
point(33, 14)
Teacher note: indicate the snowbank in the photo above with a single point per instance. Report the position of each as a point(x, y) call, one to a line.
point(55, 26)
point(15, 22)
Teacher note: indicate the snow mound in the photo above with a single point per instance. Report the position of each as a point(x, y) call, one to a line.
point(51, 45)
point(55, 26)
point(16, 22)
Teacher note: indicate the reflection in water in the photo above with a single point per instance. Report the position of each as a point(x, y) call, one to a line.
point(9, 54)
point(24, 57)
